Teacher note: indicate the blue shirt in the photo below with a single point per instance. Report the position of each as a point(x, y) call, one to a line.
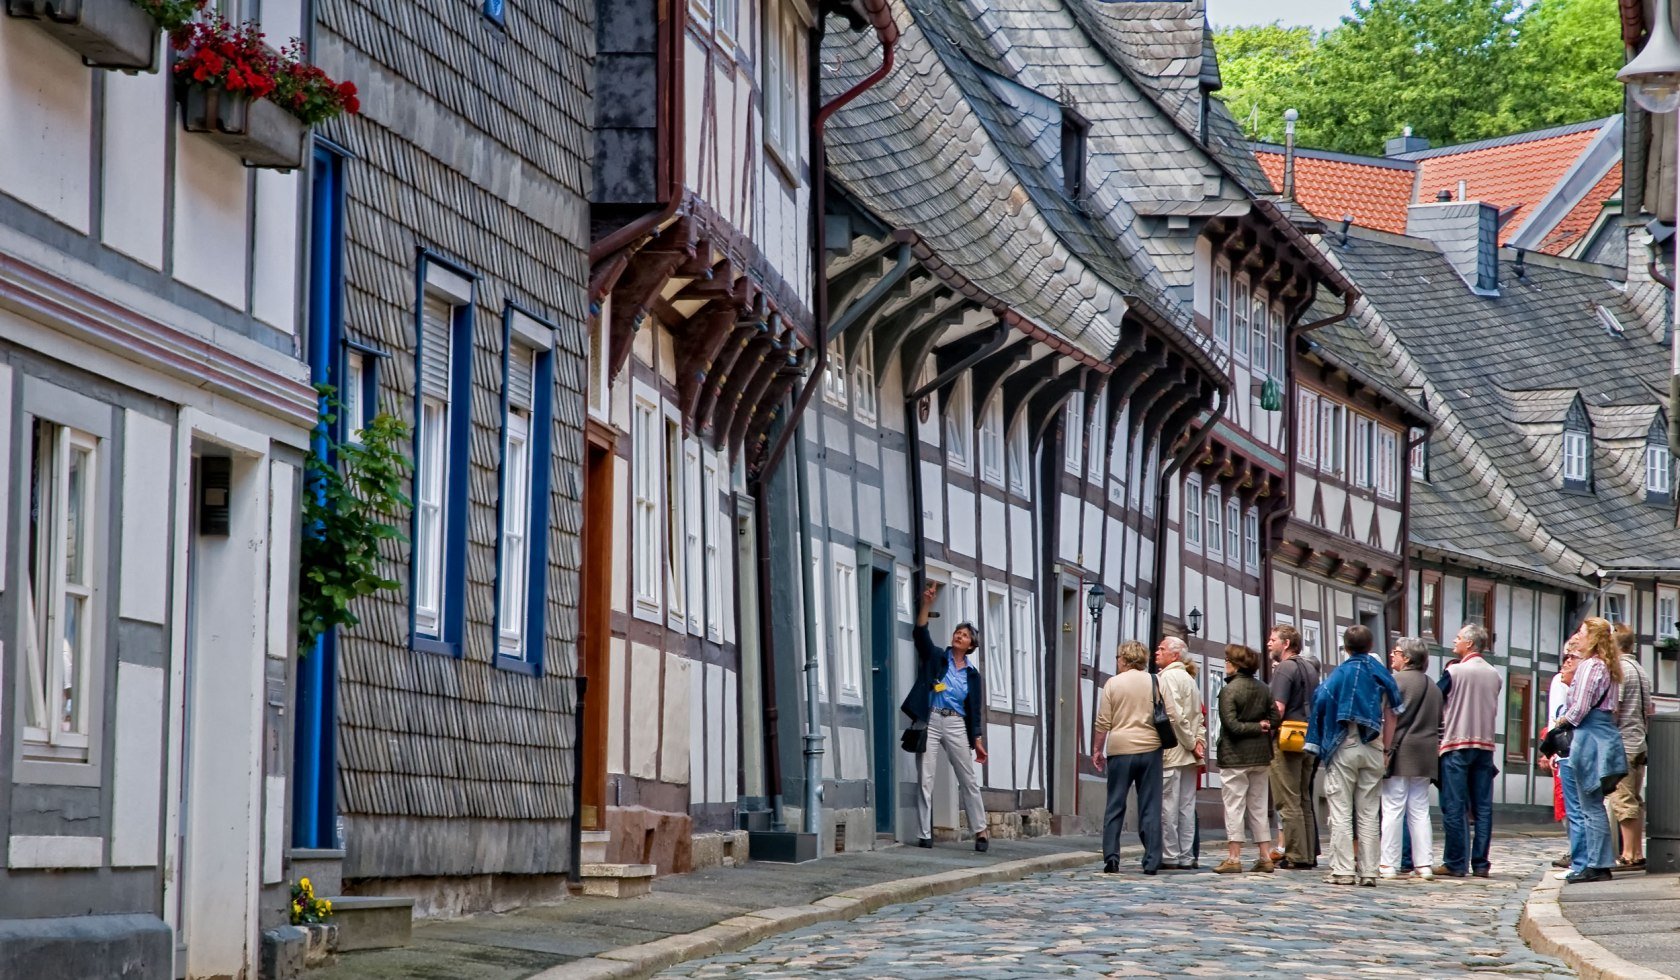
point(955, 695)
point(1353, 694)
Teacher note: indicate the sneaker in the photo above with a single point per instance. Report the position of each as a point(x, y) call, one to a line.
point(1388, 872)
point(1367, 882)
point(1562, 875)
point(924, 842)
point(1588, 874)
point(1426, 874)
point(1111, 866)
point(1562, 862)
point(1262, 866)
point(1229, 866)
point(1442, 871)
point(1339, 879)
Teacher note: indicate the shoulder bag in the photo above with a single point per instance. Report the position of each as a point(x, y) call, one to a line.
point(1557, 741)
point(1163, 724)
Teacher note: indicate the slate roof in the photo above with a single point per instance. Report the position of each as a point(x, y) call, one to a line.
point(1499, 373)
point(979, 178)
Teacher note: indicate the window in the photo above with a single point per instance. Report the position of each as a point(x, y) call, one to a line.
point(1363, 451)
point(519, 385)
point(834, 375)
point(1222, 305)
point(694, 554)
point(1075, 130)
point(1657, 471)
point(495, 10)
point(1214, 539)
point(1574, 457)
point(866, 397)
point(352, 396)
point(819, 614)
point(1073, 422)
point(1239, 324)
point(1020, 456)
point(1388, 461)
point(1419, 461)
point(959, 599)
point(724, 16)
point(442, 445)
point(1519, 717)
point(1151, 479)
point(1259, 324)
point(1280, 367)
point(991, 440)
point(712, 521)
point(1478, 605)
point(646, 479)
point(784, 55)
point(1615, 607)
point(676, 544)
point(959, 427)
point(1022, 648)
point(1251, 541)
point(1668, 613)
point(63, 624)
point(1120, 457)
point(901, 586)
point(1099, 422)
point(599, 356)
point(1429, 607)
point(999, 683)
point(1233, 531)
point(846, 645)
point(1193, 513)
point(1332, 441)
point(1306, 426)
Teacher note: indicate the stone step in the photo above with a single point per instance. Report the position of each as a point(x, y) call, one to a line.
point(372, 921)
point(617, 880)
point(323, 867)
point(595, 845)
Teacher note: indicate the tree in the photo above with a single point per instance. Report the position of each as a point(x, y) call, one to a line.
point(1452, 70)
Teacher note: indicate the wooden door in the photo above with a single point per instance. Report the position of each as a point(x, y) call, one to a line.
point(596, 616)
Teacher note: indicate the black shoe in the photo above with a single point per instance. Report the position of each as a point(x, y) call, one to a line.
point(1588, 874)
point(1562, 862)
point(1148, 871)
point(982, 843)
point(924, 842)
point(1111, 866)
point(1482, 872)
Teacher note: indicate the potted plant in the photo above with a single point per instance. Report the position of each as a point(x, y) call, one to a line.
point(119, 34)
point(306, 92)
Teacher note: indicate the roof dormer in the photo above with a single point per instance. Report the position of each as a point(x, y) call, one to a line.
point(1659, 464)
point(1577, 448)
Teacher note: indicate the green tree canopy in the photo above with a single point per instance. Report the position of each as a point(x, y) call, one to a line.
point(1452, 70)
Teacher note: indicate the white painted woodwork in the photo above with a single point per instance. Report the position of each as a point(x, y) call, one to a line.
point(55, 852)
point(731, 734)
point(715, 760)
point(274, 829)
point(694, 733)
point(5, 485)
point(283, 528)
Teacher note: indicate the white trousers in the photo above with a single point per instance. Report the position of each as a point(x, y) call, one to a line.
point(949, 734)
point(1351, 786)
point(1178, 814)
point(1405, 807)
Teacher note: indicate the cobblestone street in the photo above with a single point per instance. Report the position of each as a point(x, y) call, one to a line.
point(1193, 923)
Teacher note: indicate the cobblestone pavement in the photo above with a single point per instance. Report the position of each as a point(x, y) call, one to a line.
point(1191, 923)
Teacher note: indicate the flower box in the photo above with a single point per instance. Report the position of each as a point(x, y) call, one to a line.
point(106, 33)
point(262, 133)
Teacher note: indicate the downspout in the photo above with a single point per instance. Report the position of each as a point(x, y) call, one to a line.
point(1157, 612)
point(767, 665)
point(672, 37)
point(1406, 519)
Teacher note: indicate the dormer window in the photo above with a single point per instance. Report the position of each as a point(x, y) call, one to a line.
point(1577, 448)
point(1075, 130)
point(1659, 465)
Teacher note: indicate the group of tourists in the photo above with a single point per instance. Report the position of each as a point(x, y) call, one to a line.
point(1381, 734)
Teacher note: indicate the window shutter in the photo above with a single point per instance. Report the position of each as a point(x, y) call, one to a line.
point(437, 323)
point(521, 380)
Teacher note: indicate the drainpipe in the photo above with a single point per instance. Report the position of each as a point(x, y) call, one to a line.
point(1406, 518)
point(672, 37)
point(1157, 612)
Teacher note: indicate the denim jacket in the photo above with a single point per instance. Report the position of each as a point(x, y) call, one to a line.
point(1354, 692)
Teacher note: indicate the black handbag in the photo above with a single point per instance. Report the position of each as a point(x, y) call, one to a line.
point(1163, 724)
point(1557, 741)
point(914, 739)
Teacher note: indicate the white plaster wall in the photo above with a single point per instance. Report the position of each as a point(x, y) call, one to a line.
point(960, 518)
point(1021, 552)
point(137, 791)
point(146, 469)
point(615, 705)
point(728, 764)
point(274, 289)
point(132, 202)
point(212, 197)
point(994, 533)
point(1068, 545)
point(933, 498)
point(676, 734)
point(1000, 767)
point(644, 707)
point(47, 120)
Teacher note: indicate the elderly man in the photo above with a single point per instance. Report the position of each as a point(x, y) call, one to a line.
point(1633, 711)
point(1294, 682)
point(1178, 765)
point(1472, 687)
point(1351, 731)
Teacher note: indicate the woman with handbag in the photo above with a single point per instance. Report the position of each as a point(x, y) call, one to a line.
point(1554, 755)
point(1247, 718)
point(946, 706)
point(1133, 724)
point(1414, 761)
point(1597, 758)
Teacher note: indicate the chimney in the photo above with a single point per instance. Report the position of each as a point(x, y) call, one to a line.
point(1468, 235)
point(1404, 143)
point(1289, 117)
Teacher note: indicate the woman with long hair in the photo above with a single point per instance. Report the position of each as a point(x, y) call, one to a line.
point(1597, 759)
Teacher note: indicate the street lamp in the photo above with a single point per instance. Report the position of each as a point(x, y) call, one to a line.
point(1094, 602)
point(1653, 79)
point(1195, 618)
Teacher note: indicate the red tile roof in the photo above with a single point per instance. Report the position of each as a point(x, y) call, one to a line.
point(1518, 173)
point(1332, 188)
point(1580, 218)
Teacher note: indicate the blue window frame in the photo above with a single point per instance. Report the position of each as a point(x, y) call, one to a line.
point(495, 10)
point(445, 293)
point(523, 502)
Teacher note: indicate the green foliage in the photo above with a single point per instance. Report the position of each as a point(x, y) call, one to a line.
point(1453, 70)
point(171, 14)
point(348, 510)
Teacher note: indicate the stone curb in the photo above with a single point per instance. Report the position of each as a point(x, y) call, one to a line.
point(646, 959)
point(1549, 931)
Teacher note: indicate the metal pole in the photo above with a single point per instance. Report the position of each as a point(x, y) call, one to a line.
point(1674, 297)
point(812, 822)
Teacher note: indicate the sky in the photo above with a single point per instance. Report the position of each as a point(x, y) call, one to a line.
point(1312, 13)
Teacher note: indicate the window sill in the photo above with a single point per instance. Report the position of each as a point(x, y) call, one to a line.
point(517, 665)
point(428, 644)
point(784, 169)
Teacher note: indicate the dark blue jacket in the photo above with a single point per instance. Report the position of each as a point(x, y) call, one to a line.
point(931, 662)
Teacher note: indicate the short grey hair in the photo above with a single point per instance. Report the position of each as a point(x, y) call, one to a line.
point(1415, 651)
point(1477, 635)
point(1176, 645)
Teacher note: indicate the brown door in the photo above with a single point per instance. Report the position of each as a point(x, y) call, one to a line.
point(596, 623)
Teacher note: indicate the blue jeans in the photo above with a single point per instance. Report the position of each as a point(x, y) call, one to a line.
point(1572, 816)
point(1467, 784)
point(1142, 770)
point(1594, 847)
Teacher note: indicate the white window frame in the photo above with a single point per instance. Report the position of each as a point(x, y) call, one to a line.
point(1575, 452)
point(513, 591)
point(1280, 365)
point(959, 602)
point(1020, 457)
point(1000, 686)
point(352, 396)
point(712, 521)
point(694, 545)
point(1251, 540)
point(1241, 305)
point(959, 426)
point(1668, 612)
point(1222, 304)
point(1363, 451)
point(1306, 426)
point(647, 454)
point(1213, 514)
point(901, 589)
point(725, 15)
point(819, 611)
point(847, 640)
point(1388, 464)
point(1233, 532)
point(834, 375)
point(784, 56)
point(1023, 647)
point(1418, 464)
point(866, 394)
point(1151, 482)
point(1259, 327)
point(600, 360)
point(1099, 439)
point(992, 463)
point(431, 480)
point(1332, 433)
point(1073, 426)
point(1192, 516)
point(1615, 605)
point(674, 540)
point(1658, 469)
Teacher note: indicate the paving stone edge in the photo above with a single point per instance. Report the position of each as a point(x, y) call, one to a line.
point(1549, 931)
point(646, 959)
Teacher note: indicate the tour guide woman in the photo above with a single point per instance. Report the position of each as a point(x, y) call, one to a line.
point(1597, 758)
point(949, 698)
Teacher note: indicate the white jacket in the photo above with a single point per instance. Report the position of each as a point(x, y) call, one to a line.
point(1184, 705)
